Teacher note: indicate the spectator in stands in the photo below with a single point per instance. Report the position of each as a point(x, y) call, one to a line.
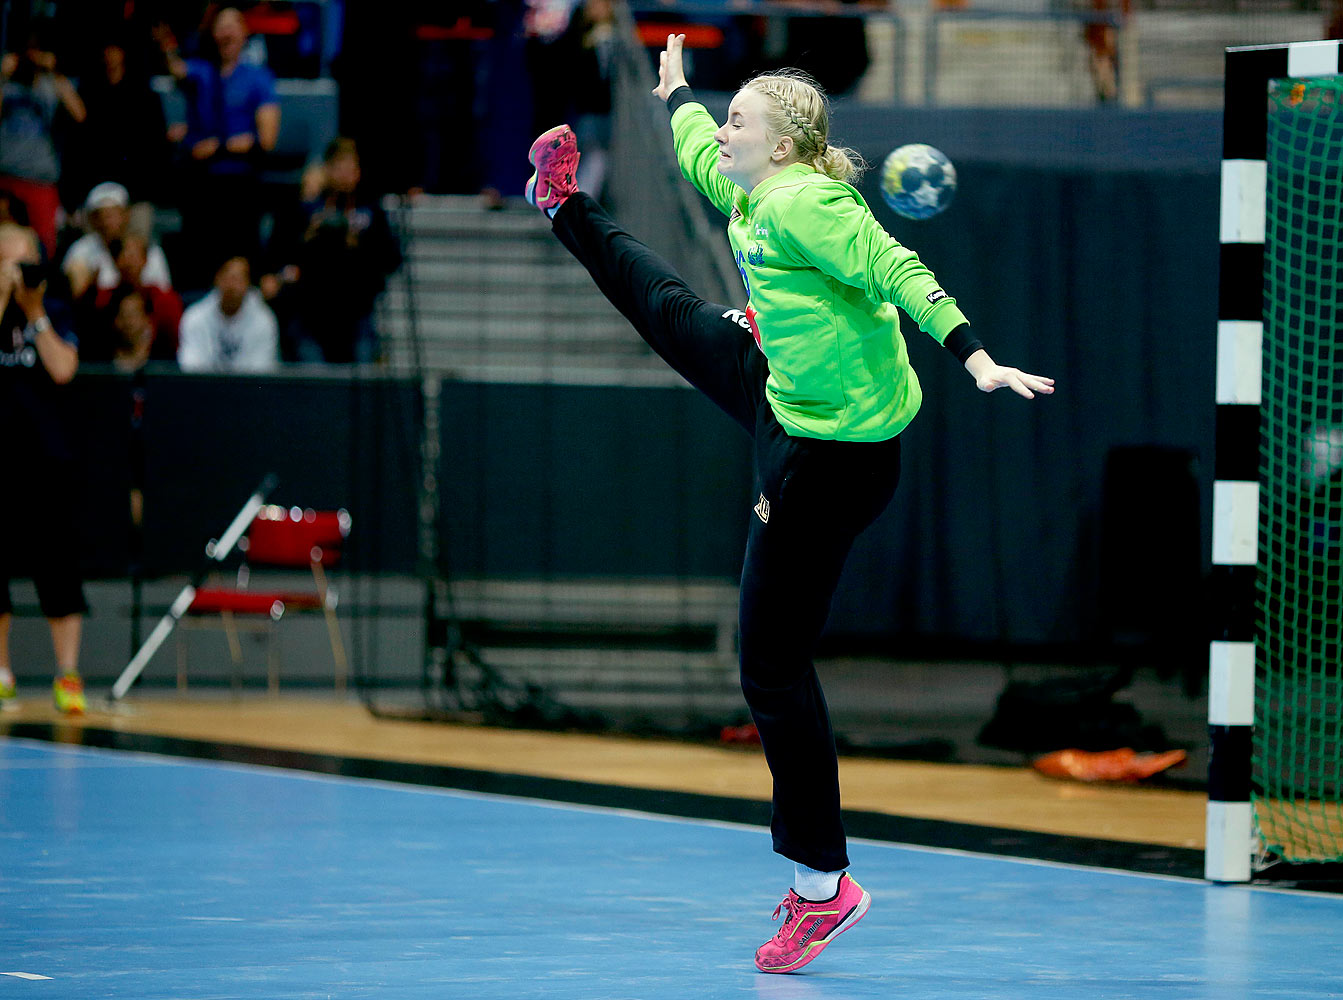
point(132, 328)
point(124, 138)
point(1102, 41)
point(101, 313)
point(576, 43)
point(233, 120)
point(164, 304)
point(38, 355)
point(32, 95)
point(546, 26)
point(231, 329)
point(91, 259)
point(336, 253)
point(591, 38)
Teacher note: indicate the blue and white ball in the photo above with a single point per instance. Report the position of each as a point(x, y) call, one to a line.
point(918, 181)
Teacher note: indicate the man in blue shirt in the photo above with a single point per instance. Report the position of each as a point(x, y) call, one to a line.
point(233, 120)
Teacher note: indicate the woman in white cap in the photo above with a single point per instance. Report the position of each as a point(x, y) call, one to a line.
point(91, 259)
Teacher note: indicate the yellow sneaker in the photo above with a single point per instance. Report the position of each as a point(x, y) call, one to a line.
point(68, 692)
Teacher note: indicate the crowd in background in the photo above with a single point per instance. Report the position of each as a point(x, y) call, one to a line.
point(253, 266)
point(138, 139)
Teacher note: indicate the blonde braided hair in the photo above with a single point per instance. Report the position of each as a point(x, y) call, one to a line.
point(798, 109)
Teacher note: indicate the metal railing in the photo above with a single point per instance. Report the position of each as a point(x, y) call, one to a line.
point(1028, 53)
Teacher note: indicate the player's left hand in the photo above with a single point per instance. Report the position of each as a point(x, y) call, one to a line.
point(1023, 384)
point(990, 375)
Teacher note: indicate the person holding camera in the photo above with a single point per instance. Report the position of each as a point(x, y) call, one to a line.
point(330, 260)
point(91, 260)
point(38, 357)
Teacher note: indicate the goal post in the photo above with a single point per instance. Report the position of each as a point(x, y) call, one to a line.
point(1275, 702)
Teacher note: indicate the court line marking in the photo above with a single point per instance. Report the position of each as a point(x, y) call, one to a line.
point(168, 760)
point(24, 975)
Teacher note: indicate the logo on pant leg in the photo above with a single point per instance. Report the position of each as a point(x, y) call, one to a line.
point(762, 509)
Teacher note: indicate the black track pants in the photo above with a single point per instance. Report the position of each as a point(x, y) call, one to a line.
point(810, 501)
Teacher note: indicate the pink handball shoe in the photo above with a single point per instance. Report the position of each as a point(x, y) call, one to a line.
point(555, 156)
point(808, 927)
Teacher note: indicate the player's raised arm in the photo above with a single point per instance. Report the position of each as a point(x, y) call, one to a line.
point(671, 71)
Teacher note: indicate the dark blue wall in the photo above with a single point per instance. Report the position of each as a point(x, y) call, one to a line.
point(1082, 245)
point(535, 480)
point(1106, 281)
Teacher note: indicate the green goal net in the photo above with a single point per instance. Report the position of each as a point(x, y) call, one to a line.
point(1298, 734)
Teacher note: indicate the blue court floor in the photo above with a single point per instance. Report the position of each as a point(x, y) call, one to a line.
point(131, 875)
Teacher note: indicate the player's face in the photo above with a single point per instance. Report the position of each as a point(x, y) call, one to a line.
point(747, 151)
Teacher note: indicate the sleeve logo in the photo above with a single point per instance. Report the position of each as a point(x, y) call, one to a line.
point(937, 296)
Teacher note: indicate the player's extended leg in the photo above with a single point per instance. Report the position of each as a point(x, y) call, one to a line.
point(709, 345)
point(814, 497)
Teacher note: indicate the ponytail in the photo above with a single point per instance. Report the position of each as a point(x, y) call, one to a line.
point(840, 163)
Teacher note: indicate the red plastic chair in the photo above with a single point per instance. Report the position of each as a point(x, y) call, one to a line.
point(278, 539)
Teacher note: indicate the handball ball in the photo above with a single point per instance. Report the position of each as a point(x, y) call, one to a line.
point(918, 181)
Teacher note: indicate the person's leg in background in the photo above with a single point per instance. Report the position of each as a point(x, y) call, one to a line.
point(43, 203)
point(61, 596)
point(8, 540)
point(60, 589)
point(62, 599)
point(8, 688)
point(66, 631)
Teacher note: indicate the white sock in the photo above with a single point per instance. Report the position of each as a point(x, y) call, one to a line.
point(813, 885)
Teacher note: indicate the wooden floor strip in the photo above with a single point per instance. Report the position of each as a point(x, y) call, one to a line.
point(1012, 798)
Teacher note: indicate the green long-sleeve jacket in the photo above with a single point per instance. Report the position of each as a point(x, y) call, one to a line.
point(821, 275)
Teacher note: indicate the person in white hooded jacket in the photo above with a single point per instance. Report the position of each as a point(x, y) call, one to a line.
point(231, 329)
